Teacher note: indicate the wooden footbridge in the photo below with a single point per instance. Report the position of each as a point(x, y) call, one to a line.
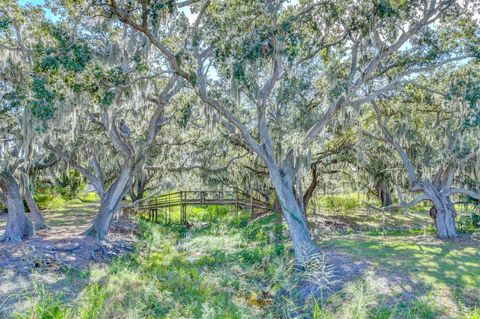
point(163, 203)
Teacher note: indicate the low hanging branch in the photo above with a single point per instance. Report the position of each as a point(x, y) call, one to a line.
point(184, 168)
point(412, 203)
point(463, 191)
point(92, 178)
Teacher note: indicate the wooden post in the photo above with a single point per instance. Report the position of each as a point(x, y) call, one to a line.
point(251, 204)
point(182, 207)
point(167, 216)
point(236, 203)
point(184, 220)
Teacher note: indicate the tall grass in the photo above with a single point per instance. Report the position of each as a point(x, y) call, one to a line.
point(231, 267)
point(43, 304)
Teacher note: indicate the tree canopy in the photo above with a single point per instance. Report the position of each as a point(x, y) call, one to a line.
point(275, 98)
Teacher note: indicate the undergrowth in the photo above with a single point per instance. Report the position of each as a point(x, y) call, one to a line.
point(230, 267)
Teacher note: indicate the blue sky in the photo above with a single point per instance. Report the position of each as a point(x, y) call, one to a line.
point(48, 13)
point(53, 17)
point(31, 2)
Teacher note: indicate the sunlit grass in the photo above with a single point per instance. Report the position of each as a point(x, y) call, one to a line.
point(448, 272)
point(229, 266)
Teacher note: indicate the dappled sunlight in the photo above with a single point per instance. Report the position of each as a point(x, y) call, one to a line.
point(421, 261)
point(277, 159)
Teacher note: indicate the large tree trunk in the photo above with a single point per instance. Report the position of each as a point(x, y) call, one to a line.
point(18, 225)
point(137, 189)
point(311, 188)
point(134, 197)
point(443, 213)
point(35, 213)
point(384, 193)
point(386, 196)
point(109, 204)
point(294, 216)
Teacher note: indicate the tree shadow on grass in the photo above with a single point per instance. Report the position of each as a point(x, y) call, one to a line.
point(424, 264)
point(58, 258)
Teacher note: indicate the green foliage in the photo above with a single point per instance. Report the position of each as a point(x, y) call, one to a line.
point(68, 54)
point(71, 185)
point(45, 305)
point(100, 82)
point(42, 104)
point(15, 99)
point(93, 302)
point(340, 203)
point(387, 8)
point(473, 314)
point(258, 229)
point(252, 256)
point(90, 197)
point(465, 84)
point(48, 200)
point(5, 23)
point(159, 9)
point(185, 115)
point(468, 223)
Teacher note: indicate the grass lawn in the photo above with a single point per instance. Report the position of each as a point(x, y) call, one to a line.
point(229, 266)
point(417, 271)
point(70, 213)
point(226, 269)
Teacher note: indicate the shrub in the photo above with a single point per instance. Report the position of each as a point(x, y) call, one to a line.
point(49, 200)
point(252, 256)
point(468, 223)
point(340, 203)
point(71, 185)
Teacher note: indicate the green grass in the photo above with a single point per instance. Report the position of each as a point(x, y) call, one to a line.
point(443, 277)
point(205, 214)
point(44, 305)
point(349, 214)
point(217, 272)
point(229, 266)
point(90, 197)
point(49, 201)
point(432, 261)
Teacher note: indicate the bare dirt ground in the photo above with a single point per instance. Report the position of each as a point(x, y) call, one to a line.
point(58, 254)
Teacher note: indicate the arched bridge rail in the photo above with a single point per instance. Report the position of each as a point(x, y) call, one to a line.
point(183, 199)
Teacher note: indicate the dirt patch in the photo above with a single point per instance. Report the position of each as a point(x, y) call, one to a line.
point(54, 255)
point(66, 247)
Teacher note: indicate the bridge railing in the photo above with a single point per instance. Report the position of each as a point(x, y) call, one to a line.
point(183, 199)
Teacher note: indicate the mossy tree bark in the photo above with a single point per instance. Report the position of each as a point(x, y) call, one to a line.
point(18, 225)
